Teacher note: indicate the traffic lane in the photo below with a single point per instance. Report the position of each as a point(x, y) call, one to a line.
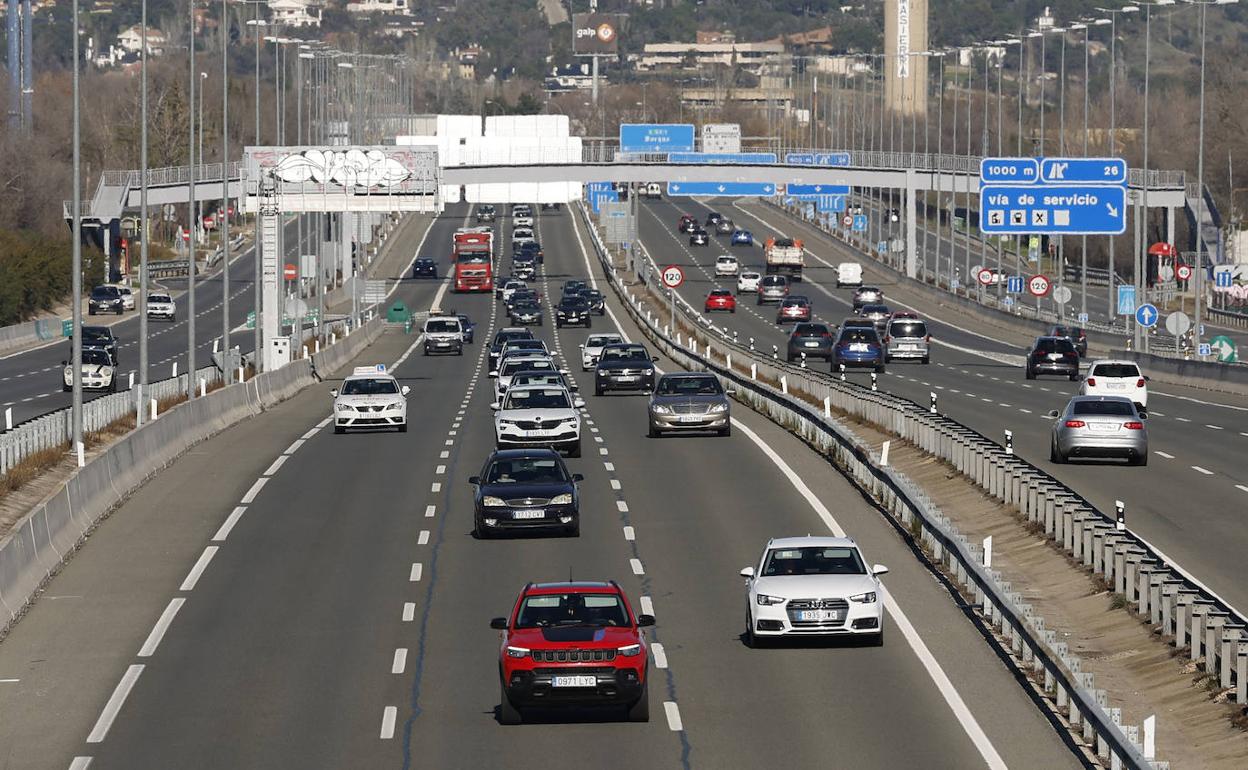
point(690, 499)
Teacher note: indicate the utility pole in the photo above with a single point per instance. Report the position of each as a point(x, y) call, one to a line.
point(190, 212)
point(75, 359)
point(144, 223)
point(227, 372)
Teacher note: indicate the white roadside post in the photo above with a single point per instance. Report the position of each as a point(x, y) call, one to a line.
point(988, 552)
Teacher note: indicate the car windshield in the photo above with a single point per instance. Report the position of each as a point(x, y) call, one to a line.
point(859, 335)
point(599, 340)
point(96, 334)
point(160, 298)
point(838, 560)
point(370, 386)
point(1115, 408)
point(526, 470)
point(536, 378)
point(511, 366)
point(796, 302)
point(727, 260)
point(442, 326)
point(908, 329)
point(576, 609)
point(96, 358)
point(543, 398)
point(809, 330)
point(749, 276)
point(574, 303)
point(528, 306)
point(689, 386)
point(625, 353)
point(721, 293)
point(773, 280)
point(103, 292)
point(1115, 370)
point(1055, 345)
point(524, 344)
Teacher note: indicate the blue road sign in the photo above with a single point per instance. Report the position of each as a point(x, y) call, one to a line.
point(830, 202)
point(1204, 349)
point(1043, 209)
point(1223, 278)
point(1009, 301)
point(1083, 318)
point(1083, 171)
point(596, 199)
point(800, 190)
point(721, 157)
point(721, 188)
point(860, 223)
point(817, 159)
point(1146, 315)
point(594, 187)
point(656, 137)
point(1014, 284)
point(1008, 170)
point(1126, 300)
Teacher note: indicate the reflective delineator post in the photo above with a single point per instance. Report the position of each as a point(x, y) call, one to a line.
point(827, 406)
point(803, 359)
point(932, 408)
point(1009, 442)
point(884, 452)
point(988, 552)
point(873, 385)
point(775, 352)
point(1120, 516)
point(842, 368)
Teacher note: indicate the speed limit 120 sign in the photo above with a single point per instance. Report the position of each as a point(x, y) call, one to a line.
point(673, 276)
point(1184, 272)
point(1038, 285)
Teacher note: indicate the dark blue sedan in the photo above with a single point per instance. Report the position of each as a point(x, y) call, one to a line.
point(858, 347)
point(424, 267)
point(742, 238)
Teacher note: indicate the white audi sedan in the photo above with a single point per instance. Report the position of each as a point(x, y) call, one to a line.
point(813, 586)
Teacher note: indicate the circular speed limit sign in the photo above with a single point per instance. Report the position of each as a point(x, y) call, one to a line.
point(673, 276)
point(984, 276)
point(1184, 272)
point(1038, 285)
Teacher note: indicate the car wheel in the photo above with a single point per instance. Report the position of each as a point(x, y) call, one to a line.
point(726, 430)
point(589, 324)
point(732, 310)
point(877, 640)
point(558, 324)
point(752, 640)
point(1055, 455)
point(597, 390)
point(926, 360)
point(426, 351)
point(1074, 377)
point(90, 311)
point(640, 710)
point(112, 386)
point(879, 369)
point(1030, 374)
point(507, 713)
point(574, 529)
point(403, 427)
point(1140, 459)
point(66, 388)
point(652, 432)
point(339, 429)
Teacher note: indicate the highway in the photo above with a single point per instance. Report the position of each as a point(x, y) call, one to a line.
point(1186, 502)
point(318, 600)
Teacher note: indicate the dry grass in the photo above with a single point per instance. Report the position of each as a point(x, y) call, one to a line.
point(30, 468)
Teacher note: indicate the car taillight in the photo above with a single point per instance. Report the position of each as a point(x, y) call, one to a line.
point(1139, 383)
point(1091, 382)
point(1133, 425)
point(1075, 424)
point(826, 335)
point(887, 340)
point(928, 338)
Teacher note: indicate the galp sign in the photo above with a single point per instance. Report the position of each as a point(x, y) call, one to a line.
point(594, 34)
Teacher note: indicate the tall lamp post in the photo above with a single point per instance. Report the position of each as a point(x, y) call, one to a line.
point(1141, 241)
point(258, 274)
point(190, 212)
point(144, 226)
point(76, 279)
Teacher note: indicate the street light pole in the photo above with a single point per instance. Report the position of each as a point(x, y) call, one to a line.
point(227, 372)
point(144, 225)
point(75, 359)
point(190, 211)
point(1113, 126)
point(258, 251)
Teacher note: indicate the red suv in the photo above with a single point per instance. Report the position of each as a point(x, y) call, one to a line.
point(573, 644)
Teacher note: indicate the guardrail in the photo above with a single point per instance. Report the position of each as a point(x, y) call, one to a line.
point(1157, 589)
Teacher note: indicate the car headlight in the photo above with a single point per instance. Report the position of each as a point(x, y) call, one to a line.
point(344, 407)
point(564, 499)
point(647, 372)
point(517, 652)
point(506, 423)
point(106, 371)
point(396, 405)
point(629, 650)
point(493, 502)
point(767, 601)
point(660, 409)
point(718, 408)
point(867, 598)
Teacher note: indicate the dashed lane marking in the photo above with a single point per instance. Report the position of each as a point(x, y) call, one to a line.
point(673, 716)
point(197, 571)
point(228, 525)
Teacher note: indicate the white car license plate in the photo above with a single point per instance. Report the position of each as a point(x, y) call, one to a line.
point(1117, 385)
point(528, 514)
point(1100, 427)
point(909, 347)
point(574, 681)
point(538, 433)
point(626, 378)
point(811, 344)
point(819, 615)
point(858, 347)
point(690, 418)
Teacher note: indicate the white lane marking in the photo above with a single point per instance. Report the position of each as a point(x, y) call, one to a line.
point(423, 539)
point(1241, 488)
point(1152, 392)
point(290, 450)
point(630, 534)
point(277, 465)
point(647, 605)
point(400, 661)
point(115, 702)
point(615, 484)
point(162, 625)
point(636, 565)
point(441, 469)
point(1199, 469)
point(417, 570)
point(602, 450)
point(622, 506)
point(443, 454)
point(388, 717)
point(1214, 427)
point(673, 716)
point(598, 439)
point(435, 486)
point(450, 442)
point(310, 434)
point(255, 490)
point(80, 763)
point(609, 466)
point(324, 422)
point(409, 612)
point(1024, 411)
point(937, 674)
point(1002, 403)
point(430, 510)
point(660, 655)
point(1166, 455)
point(1182, 419)
point(228, 525)
point(198, 570)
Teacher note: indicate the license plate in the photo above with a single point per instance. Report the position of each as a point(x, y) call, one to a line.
point(811, 344)
point(1055, 356)
point(1117, 385)
point(909, 347)
point(626, 378)
point(528, 514)
point(538, 433)
point(690, 418)
point(819, 615)
point(573, 681)
point(1100, 427)
point(858, 347)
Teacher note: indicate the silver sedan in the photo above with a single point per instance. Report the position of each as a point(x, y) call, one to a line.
point(1099, 426)
point(689, 401)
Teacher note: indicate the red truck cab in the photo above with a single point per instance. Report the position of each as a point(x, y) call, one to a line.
point(472, 255)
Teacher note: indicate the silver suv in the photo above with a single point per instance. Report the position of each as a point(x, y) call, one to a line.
point(906, 338)
point(773, 288)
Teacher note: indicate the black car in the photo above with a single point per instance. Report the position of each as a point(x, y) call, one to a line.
point(812, 340)
point(503, 336)
point(1075, 335)
point(1052, 355)
point(550, 207)
point(573, 310)
point(713, 218)
point(574, 285)
point(624, 366)
point(525, 489)
point(468, 326)
point(485, 213)
point(424, 267)
point(522, 295)
point(531, 249)
point(597, 302)
point(100, 338)
point(105, 299)
point(527, 313)
point(699, 237)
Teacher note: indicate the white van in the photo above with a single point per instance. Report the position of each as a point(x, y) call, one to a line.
point(848, 274)
point(654, 190)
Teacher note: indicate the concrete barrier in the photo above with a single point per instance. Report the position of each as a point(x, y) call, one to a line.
point(1227, 378)
point(46, 536)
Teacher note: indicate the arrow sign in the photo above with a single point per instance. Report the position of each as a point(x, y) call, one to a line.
point(1146, 315)
point(800, 190)
point(1084, 170)
point(721, 188)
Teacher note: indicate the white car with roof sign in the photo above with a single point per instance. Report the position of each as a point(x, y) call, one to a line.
point(370, 398)
point(538, 416)
point(592, 348)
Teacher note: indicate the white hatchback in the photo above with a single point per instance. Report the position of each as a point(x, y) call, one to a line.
point(747, 282)
point(1116, 378)
point(726, 265)
point(592, 348)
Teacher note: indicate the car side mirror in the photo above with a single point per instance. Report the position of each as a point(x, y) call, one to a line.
point(645, 620)
point(581, 346)
point(1147, 378)
point(493, 372)
point(405, 390)
point(748, 572)
point(333, 393)
point(498, 624)
point(496, 405)
point(578, 477)
point(878, 569)
point(474, 479)
point(578, 403)
point(64, 363)
point(1143, 415)
point(1053, 413)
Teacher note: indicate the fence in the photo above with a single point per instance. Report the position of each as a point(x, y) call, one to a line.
point(1157, 589)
